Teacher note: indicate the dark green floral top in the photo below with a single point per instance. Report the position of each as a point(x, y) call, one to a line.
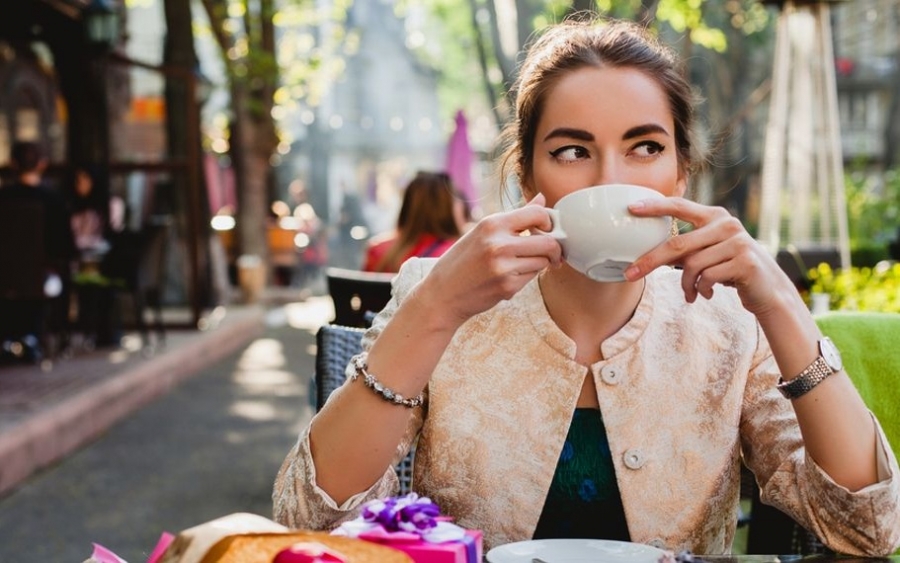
point(584, 499)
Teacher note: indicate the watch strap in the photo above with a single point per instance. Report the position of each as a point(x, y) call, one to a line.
point(814, 374)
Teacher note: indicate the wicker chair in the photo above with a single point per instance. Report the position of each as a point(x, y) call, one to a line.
point(356, 294)
point(335, 346)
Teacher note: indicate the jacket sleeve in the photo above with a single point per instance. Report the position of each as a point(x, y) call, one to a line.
point(865, 522)
point(298, 501)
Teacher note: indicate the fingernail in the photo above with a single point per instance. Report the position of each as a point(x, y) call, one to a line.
point(637, 205)
point(631, 273)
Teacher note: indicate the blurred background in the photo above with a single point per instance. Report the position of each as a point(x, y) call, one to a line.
point(273, 137)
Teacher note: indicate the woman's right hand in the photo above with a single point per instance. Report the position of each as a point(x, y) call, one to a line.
point(359, 430)
point(491, 262)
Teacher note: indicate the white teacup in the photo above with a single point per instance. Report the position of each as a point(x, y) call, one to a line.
point(599, 236)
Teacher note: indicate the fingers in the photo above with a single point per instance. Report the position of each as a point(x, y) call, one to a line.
point(513, 233)
point(703, 270)
point(510, 276)
point(712, 225)
point(672, 251)
point(532, 216)
point(684, 209)
point(530, 266)
point(717, 251)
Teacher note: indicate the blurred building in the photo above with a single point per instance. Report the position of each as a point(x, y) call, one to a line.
point(50, 91)
point(867, 51)
point(68, 83)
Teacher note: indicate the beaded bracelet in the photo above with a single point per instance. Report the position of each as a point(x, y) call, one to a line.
point(361, 369)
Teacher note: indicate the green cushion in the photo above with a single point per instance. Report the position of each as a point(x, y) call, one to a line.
point(870, 346)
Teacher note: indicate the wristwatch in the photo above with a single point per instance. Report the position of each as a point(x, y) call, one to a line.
point(828, 362)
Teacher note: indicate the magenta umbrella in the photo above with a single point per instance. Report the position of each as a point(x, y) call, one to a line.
point(459, 159)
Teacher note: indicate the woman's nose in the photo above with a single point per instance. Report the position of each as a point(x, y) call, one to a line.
point(608, 173)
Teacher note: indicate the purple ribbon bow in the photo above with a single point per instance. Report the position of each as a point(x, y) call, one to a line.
point(406, 518)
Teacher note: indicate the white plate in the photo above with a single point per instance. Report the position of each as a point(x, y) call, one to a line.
point(575, 551)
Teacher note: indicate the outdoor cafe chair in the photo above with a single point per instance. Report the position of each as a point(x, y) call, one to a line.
point(136, 265)
point(335, 346)
point(356, 294)
point(867, 341)
point(146, 285)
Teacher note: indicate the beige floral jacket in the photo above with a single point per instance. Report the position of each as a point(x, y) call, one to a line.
point(685, 391)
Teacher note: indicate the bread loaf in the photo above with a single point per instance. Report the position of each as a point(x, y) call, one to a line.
point(262, 548)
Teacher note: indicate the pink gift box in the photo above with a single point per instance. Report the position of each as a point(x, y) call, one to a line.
point(467, 550)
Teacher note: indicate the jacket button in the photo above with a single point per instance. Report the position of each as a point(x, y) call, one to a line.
point(634, 459)
point(610, 375)
point(657, 543)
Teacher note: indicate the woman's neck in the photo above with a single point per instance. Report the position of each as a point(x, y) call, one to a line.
point(587, 311)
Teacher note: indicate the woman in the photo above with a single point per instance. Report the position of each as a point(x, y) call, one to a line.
point(95, 216)
point(521, 360)
point(426, 226)
point(89, 213)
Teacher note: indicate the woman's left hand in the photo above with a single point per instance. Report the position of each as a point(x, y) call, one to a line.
point(718, 250)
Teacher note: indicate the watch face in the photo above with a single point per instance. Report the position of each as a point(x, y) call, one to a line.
point(831, 354)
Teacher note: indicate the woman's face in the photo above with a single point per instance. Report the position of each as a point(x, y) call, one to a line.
point(605, 126)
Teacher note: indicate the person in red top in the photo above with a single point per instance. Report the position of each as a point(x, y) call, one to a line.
point(426, 225)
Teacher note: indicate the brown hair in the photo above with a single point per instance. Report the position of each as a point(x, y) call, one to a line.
point(593, 42)
point(427, 208)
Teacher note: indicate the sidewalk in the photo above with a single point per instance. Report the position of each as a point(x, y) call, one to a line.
point(47, 413)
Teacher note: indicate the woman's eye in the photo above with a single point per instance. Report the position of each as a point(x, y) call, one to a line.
point(569, 153)
point(648, 148)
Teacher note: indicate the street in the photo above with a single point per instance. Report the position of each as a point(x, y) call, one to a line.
point(210, 447)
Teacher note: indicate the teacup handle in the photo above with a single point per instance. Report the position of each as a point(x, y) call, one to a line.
point(556, 232)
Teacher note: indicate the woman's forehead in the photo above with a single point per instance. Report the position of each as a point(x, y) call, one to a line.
point(614, 97)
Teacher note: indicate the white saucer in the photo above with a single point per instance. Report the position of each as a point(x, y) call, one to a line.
point(574, 551)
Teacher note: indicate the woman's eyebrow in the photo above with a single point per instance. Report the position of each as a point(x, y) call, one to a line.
point(582, 135)
point(569, 133)
point(641, 130)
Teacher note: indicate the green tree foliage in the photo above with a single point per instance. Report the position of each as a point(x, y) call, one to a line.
point(873, 214)
point(264, 76)
point(312, 48)
point(472, 41)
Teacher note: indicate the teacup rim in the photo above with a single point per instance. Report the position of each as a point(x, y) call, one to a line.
point(650, 191)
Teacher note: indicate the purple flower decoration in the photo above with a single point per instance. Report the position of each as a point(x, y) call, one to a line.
point(410, 513)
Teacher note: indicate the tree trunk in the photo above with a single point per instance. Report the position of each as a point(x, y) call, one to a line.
point(189, 198)
point(255, 131)
point(482, 49)
point(582, 6)
point(250, 177)
point(507, 65)
point(526, 11)
point(647, 13)
point(252, 130)
point(266, 100)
